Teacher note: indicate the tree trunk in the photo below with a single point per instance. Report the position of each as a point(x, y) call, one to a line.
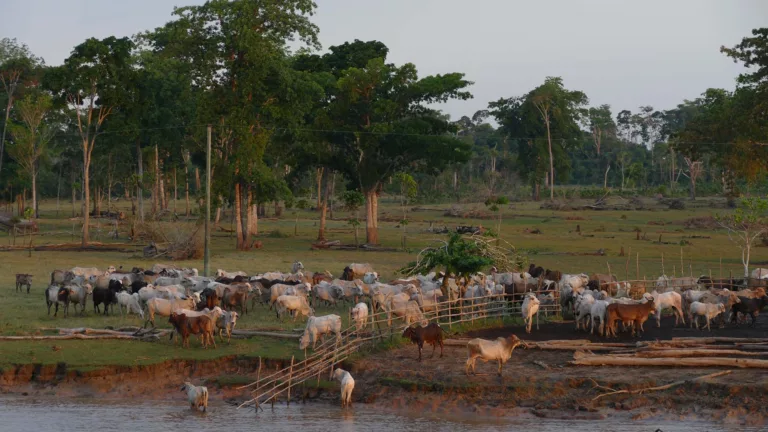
point(692, 188)
point(74, 195)
point(323, 208)
point(605, 179)
point(175, 191)
point(5, 126)
point(186, 190)
point(320, 172)
point(551, 161)
point(372, 216)
point(333, 191)
point(163, 200)
point(253, 214)
point(34, 192)
point(242, 240)
point(58, 191)
point(140, 182)
point(197, 180)
point(218, 215)
point(156, 188)
point(86, 195)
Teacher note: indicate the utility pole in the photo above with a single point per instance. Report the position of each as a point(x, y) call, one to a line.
point(207, 259)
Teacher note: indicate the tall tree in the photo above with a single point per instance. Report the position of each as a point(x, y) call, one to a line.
point(17, 67)
point(385, 126)
point(31, 137)
point(90, 81)
point(237, 57)
point(601, 125)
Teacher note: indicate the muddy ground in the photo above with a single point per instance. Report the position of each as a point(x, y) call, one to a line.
point(394, 379)
point(553, 388)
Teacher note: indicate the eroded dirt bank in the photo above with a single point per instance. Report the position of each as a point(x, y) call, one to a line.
point(536, 382)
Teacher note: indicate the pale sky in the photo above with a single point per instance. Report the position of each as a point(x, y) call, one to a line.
point(623, 53)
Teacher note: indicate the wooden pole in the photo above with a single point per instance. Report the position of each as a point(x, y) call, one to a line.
point(662, 264)
point(610, 276)
point(290, 378)
point(626, 264)
point(207, 256)
point(682, 266)
point(258, 378)
point(721, 266)
point(637, 266)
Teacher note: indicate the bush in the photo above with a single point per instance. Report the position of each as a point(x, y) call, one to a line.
point(278, 234)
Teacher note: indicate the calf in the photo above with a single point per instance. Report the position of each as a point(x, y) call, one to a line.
point(749, 306)
point(431, 334)
point(635, 313)
point(707, 310)
point(23, 279)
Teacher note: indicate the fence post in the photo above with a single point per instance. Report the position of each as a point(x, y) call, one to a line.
point(290, 378)
point(662, 265)
point(258, 378)
point(637, 266)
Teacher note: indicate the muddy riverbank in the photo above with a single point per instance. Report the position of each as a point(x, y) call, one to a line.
point(536, 384)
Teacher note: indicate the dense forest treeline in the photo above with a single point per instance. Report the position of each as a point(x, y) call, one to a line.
point(128, 117)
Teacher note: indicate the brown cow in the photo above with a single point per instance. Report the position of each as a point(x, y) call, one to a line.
point(185, 326)
point(636, 313)
point(431, 334)
point(602, 279)
point(232, 299)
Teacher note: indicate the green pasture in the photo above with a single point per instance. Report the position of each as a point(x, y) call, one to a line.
point(559, 246)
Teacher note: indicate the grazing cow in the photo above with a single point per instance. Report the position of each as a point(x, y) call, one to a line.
point(499, 350)
point(130, 302)
point(295, 305)
point(23, 279)
point(165, 307)
point(431, 334)
point(636, 313)
point(186, 326)
point(78, 294)
point(347, 385)
point(320, 326)
point(324, 292)
point(197, 396)
point(137, 285)
point(748, 306)
point(56, 295)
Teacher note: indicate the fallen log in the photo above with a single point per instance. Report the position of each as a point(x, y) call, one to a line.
point(657, 388)
point(582, 359)
point(76, 247)
point(710, 340)
point(72, 336)
point(263, 333)
point(696, 353)
point(588, 347)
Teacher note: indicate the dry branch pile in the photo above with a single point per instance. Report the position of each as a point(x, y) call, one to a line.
point(177, 242)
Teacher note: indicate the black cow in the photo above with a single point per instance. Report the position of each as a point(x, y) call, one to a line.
point(748, 306)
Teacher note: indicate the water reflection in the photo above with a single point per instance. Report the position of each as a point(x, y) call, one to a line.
point(77, 415)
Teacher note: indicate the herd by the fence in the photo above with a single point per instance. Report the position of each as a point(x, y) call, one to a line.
point(417, 308)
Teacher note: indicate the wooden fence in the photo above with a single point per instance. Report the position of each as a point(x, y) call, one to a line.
point(379, 326)
point(383, 325)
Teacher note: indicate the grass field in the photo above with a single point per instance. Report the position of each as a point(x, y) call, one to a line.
point(606, 230)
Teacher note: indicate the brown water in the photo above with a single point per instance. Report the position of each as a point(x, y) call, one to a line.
point(44, 414)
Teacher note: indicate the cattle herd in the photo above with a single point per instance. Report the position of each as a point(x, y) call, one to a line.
point(202, 306)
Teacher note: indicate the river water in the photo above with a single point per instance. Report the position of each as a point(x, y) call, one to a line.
point(78, 415)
